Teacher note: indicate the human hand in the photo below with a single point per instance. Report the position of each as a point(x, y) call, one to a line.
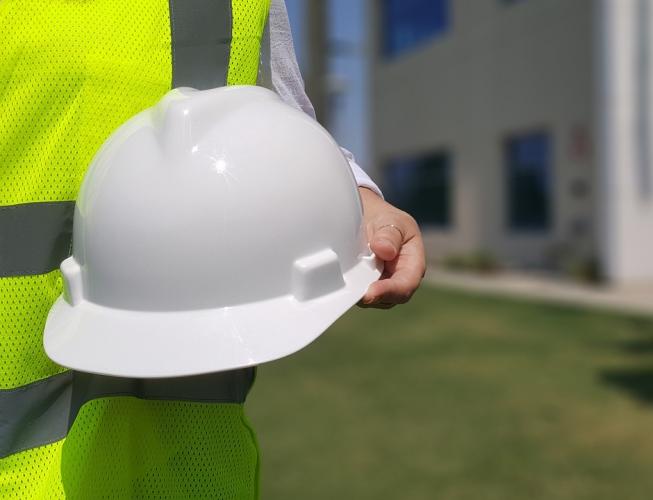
point(396, 239)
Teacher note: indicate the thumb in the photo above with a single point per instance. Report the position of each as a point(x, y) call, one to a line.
point(386, 240)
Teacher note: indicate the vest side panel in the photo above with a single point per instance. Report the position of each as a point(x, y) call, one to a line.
point(249, 20)
point(74, 72)
point(71, 72)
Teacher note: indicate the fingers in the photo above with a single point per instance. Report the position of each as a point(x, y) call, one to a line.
point(395, 238)
point(397, 289)
point(375, 305)
point(400, 279)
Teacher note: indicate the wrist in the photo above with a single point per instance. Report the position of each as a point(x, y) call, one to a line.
point(370, 198)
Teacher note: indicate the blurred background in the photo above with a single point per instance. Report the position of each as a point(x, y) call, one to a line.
point(519, 134)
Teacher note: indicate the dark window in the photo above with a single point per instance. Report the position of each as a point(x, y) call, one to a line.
point(528, 160)
point(421, 186)
point(408, 23)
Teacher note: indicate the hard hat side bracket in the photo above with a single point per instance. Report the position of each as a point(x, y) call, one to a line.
point(72, 276)
point(316, 275)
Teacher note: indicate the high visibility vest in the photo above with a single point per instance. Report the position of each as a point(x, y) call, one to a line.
point(71, 72)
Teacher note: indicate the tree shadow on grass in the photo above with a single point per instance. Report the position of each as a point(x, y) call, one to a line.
point(638, 347)
point(636, 382)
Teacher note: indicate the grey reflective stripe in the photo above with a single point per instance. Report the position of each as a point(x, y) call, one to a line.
point(265, 65)
point(35, 415)
point(35, 237)
point(224, 387)
point(42, 412)
point(200, 42)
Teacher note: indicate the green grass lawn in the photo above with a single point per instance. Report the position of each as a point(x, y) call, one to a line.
point(457, 396)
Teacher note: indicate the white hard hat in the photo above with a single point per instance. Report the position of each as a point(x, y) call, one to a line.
point(217, 230)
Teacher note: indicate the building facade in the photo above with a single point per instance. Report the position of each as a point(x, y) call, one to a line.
point(519, 129)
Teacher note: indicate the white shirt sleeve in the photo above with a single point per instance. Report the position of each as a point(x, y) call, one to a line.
point(287, 79)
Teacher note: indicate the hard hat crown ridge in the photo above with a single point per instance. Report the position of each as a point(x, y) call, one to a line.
point(216, 230)
point(185, 114)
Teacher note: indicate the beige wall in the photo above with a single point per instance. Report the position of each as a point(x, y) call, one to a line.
point(500, 70)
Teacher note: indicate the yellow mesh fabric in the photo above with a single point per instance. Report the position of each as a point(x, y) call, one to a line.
point(72, 71)
point(24, 305)
point(249, 18)
point(166, 449)
point(33, 474)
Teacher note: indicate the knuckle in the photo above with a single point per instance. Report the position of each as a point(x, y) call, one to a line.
point(408, 219)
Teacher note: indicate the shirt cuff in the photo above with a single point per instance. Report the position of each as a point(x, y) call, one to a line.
point(362, 179)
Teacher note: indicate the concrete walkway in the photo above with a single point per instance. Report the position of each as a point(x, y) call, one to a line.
point(635, 299)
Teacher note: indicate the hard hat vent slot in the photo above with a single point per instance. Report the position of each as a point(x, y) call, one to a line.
point(316, 275)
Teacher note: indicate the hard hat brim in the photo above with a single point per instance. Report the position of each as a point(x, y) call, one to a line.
point(96, 339)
